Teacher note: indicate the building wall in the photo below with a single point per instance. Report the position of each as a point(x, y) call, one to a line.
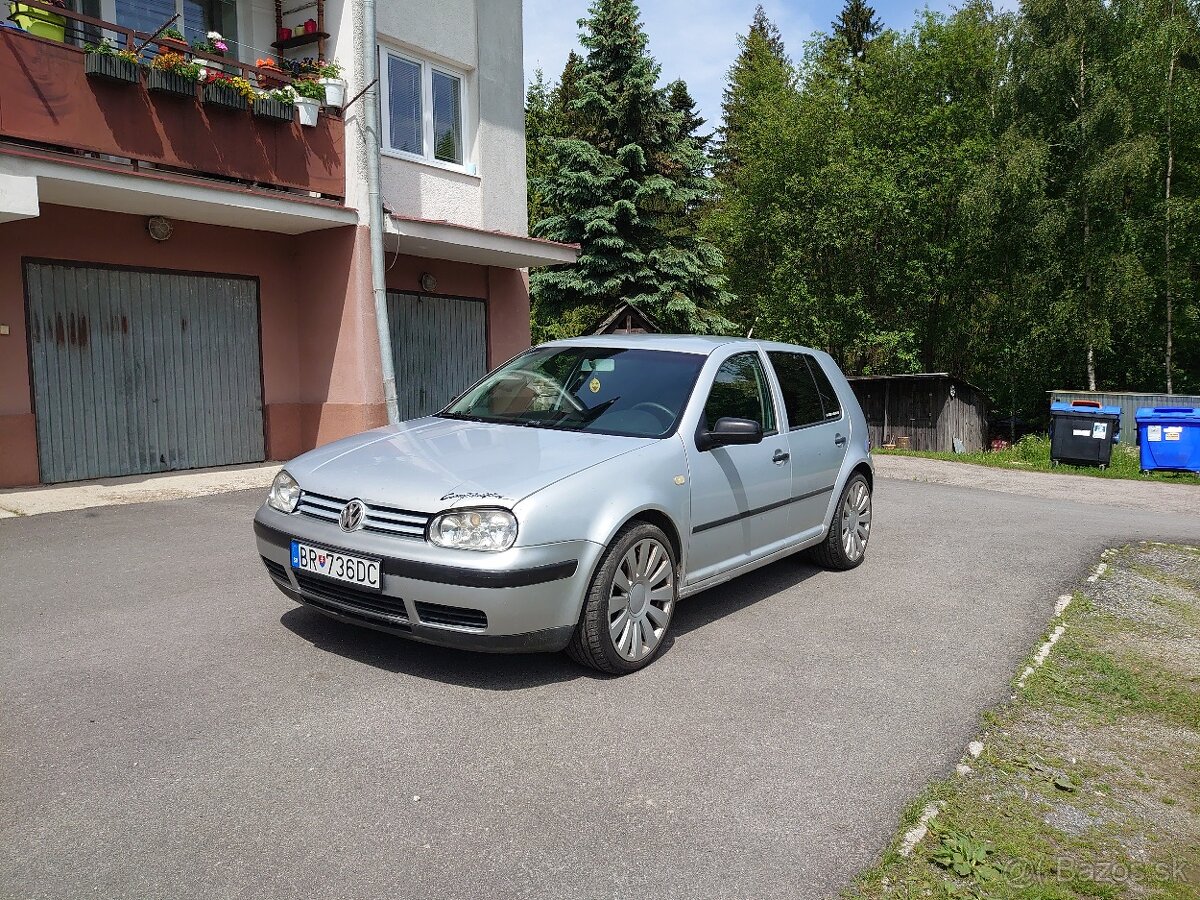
point(501, 131)
point(505, 290)
point(320, 359)
point(483, 39)
point(320, 352)
point(922, 410)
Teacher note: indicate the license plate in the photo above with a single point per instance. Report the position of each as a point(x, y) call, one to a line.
point(331, 564)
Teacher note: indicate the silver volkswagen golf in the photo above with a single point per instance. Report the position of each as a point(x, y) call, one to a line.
point(573, 496)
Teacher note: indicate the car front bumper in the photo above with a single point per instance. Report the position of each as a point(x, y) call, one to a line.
point(522, 600)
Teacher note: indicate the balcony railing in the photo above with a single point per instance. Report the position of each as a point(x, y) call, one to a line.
point(47, 100)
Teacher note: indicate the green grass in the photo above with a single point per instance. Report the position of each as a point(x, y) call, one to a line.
point(1032, 454)
point(1089, 783)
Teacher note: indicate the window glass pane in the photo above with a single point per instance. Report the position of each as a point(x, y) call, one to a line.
point(829, 397)
point(800, 397)
point(145, 15)
point(447, 118)
point(202, 16)
point(404, 105)
point(740, 391)
point(628, 392)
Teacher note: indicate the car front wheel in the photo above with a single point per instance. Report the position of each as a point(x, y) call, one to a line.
point(630, 603)
point(846, 544)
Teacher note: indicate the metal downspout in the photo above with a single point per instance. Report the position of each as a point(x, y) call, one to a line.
point(369, 57)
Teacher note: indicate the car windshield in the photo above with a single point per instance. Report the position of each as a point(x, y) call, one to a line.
point(607, 390)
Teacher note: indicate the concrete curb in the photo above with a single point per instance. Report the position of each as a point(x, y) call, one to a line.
point(135, 489)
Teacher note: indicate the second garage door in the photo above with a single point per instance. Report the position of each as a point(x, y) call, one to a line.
point(440, 349)
point(137, 372)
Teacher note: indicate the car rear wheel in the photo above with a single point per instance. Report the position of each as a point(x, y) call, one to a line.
point(846, 544)
point(630, 603)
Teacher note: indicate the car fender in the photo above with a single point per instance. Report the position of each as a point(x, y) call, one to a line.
point(593, 505)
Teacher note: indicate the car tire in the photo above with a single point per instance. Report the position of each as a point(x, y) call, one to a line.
point(845, 546)
point(630, 603)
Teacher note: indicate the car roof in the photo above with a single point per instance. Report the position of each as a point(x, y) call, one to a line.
point(680, 343)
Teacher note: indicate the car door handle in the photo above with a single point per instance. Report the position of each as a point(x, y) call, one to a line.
point(841, 440)
point(780, 457)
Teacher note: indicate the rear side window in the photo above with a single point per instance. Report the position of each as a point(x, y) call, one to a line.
point(800, 396)
point(829, 397)
point(740, 391)
point(808, 394)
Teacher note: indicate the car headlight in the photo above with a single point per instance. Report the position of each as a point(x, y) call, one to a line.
point(285, 493)
point(474, 529)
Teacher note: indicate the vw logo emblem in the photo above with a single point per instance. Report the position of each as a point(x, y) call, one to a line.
point(351, 518)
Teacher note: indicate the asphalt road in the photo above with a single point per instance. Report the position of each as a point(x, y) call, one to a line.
point(172, 726)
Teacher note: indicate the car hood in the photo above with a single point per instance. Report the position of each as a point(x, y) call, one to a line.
point(426, 465)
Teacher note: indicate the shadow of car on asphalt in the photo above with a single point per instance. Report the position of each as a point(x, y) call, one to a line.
point(519, 671)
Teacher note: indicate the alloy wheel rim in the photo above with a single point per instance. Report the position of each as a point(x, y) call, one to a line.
point(641, 600)
point(856, 521)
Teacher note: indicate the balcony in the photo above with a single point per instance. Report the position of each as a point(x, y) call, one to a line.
point(48, 103)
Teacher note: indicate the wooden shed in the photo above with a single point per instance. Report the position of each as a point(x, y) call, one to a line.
point(931, 409)
point(625, 319)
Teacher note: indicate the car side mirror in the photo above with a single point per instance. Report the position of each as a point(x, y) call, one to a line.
point(728, 431)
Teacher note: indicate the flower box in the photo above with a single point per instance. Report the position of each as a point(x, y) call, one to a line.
point(173, 45)
point(170, 83)
point(110, 67)
point(276, 110)
point(224, 96)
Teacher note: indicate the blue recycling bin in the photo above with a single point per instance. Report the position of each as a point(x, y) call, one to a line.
point(1169, 438)
point(1082, 432)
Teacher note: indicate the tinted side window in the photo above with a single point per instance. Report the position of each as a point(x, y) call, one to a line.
point(800, 397)
point(740, 391)
point(829, 397)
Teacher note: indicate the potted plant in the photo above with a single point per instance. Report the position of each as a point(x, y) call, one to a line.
point(309, 97)
point(171, 73)
point(40, 23)
point(278, 105)
point(227, 91)
point(269, 76)
point(212, 44)
point(329, 74)
point(172, 40)
point(105, 61)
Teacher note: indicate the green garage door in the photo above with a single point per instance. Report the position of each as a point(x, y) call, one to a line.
point(440, 349)
point(137, 372)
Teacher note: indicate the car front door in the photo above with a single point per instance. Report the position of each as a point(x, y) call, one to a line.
point(817, 437)
point(739, 493)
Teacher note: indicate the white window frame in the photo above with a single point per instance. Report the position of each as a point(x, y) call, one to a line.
point(428, 67)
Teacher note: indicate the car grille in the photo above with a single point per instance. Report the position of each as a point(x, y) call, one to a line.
point(381, 519)
point(436, 614)
point(345, 598)
point(276, 570)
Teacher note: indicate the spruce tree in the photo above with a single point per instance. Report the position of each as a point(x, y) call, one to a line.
point(760, 72)
point(619, 182)
point(539, 128)
point(856, 25)
point(691, 121)
point(744, 221)
point(565, 94)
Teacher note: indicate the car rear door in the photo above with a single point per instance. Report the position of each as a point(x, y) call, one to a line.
point(739, 493)
point(818, 435)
